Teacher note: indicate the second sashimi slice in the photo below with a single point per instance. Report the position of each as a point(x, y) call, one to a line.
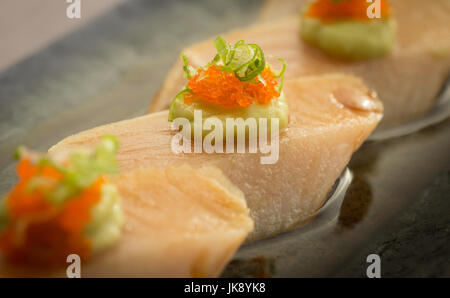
point(180, 222)
point(407, 80)
point(330, 117)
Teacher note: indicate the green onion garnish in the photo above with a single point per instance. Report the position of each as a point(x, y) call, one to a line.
point(281, 73)
point(187, 69)
point(245, 60)
point(172, 105)
point(81, 171)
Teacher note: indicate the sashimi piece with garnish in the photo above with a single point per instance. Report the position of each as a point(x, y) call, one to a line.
point(329, 118)
point(61, 206)
point(413, 62)
point(315, 124)
point(237, 83)
point(180, 222)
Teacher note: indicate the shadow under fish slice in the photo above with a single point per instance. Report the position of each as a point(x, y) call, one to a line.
point(264, 266)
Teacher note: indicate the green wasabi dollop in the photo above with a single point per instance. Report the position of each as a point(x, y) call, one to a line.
point(107, 219)
point(350, 39)
point(277, 108)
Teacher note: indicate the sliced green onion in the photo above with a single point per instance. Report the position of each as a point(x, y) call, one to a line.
point(173, 103)
point(246, 55)
point(281, 73)
point(39, 181)
point(82, 170)
point(215, 60)
point(256, 66)
point(188, 71)
point(221, 47)
point(245, 60)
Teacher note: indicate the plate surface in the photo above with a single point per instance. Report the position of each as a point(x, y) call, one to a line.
point(397, 204)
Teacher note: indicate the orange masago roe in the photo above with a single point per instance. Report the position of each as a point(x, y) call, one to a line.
point(41, 232)
point(333, 10)
point(212, 85)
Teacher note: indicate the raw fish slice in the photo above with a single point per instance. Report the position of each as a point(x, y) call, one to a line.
point(181, 222)
point(407, 80)
point(330, 117)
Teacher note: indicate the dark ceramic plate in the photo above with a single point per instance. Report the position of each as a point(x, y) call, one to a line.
point(397, 205)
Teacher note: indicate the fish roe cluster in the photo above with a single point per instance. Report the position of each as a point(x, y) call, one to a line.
point(213, 85)
point(41, 232)
point(330, 10)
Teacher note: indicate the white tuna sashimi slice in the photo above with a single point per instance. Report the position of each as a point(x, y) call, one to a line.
point(180, 222)
point(406, 80)
point(330, 117)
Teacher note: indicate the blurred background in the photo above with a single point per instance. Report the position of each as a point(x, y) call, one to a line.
point(28, 26)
